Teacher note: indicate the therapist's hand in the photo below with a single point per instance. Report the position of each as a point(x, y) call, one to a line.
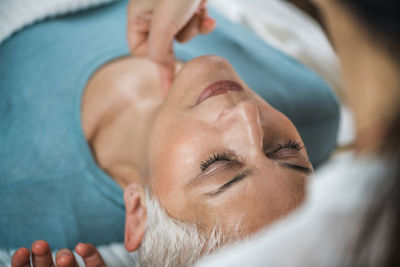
point(42, 257)
point(154, 24)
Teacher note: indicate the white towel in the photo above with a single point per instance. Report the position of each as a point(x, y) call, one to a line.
point(17, 14)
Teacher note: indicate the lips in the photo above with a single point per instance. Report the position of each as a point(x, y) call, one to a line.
point(218, 88)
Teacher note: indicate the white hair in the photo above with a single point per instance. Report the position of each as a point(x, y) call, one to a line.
point(171, 243)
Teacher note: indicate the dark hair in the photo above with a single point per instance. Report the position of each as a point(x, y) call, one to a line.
point(382, 19)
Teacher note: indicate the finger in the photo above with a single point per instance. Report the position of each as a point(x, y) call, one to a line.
point(207, 25)
point(65, 258)
point(201, 23)
point(167, 21)
point(138, 24)
point(41, 254)
point(141, 51)
point(190, 30)
point(21, 258)
point(136, 37)
point(90, 255)
point(203, 4)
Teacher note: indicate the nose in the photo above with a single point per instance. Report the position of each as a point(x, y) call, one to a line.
point(241, 128)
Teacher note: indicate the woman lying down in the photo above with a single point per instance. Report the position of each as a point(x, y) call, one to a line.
point(210, 163)
point(213, 155)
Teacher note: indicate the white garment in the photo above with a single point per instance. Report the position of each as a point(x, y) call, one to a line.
point(324, 231)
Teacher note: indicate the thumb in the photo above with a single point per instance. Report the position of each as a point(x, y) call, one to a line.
point(169, 18)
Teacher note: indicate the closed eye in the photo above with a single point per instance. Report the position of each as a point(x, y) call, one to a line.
point(285, 158)
point(290, 144)
point(212, 159)
point(232, 181)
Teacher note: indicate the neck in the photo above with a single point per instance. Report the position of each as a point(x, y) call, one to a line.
point(119, 107)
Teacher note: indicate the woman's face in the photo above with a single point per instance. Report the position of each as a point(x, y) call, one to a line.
point(218, 153)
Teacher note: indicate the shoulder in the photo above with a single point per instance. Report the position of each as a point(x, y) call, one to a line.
point(117, 85)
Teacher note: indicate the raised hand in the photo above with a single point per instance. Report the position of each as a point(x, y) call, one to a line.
point(154, 24)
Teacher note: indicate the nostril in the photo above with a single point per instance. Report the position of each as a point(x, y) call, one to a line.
point(226, 118)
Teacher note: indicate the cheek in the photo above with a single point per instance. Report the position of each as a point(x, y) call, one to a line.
point(176, 162)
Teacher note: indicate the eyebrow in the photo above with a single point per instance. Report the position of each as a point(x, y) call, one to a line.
point(232, 181)
point(303, 169)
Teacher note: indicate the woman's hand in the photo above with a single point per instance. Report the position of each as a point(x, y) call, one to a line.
point(42, 257)
point(154, 24)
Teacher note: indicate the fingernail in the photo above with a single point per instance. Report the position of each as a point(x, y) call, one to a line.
point(209, 22)
point(64, 253)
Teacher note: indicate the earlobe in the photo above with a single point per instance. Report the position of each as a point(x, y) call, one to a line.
point(135, 216)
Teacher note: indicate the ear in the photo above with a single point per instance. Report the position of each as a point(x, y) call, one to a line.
point(135, 216)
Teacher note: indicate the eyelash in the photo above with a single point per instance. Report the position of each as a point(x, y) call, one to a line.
point(212, 159)
point(290, 144)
